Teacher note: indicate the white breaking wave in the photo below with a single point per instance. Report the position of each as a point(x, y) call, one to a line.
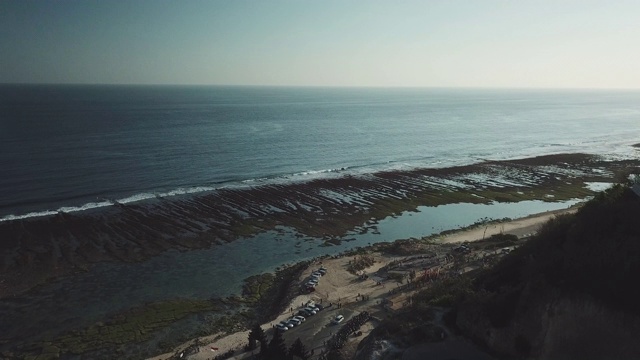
point(135, 198)
point(614, 150)
point(64, 209)
point(91, 205)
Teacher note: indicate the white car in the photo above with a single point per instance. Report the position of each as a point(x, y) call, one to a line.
point(338, 319)
point(311, 310)
point(286, 324)
point(300, 318)
point(294, 321)
point(281, 327)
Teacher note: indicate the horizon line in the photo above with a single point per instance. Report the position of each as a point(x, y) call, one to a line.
point(324, 86)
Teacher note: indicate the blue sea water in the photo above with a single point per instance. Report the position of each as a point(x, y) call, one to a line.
point(74, 147)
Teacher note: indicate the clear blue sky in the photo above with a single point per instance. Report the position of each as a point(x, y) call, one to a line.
point(477, 43)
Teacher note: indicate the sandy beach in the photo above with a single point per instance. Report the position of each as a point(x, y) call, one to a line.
point(522, 227)
point(339, 286)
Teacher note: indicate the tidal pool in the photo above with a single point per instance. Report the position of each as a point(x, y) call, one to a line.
point(218, 271)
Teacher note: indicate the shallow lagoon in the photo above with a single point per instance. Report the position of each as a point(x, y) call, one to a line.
point(219, 271)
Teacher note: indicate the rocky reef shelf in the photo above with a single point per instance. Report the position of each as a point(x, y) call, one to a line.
point(34, 250)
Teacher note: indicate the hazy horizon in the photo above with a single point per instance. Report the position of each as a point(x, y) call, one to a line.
point(414, 44)
point(311, 86)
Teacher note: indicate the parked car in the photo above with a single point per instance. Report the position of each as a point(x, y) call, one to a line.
point(311, 310)
point(338, 319)
point(300, 318)
point(322, 271)
point(294, 321)
point(319, 307)
point(286, 324)
point(281, 327)
point(303, 313)
point(316, 273)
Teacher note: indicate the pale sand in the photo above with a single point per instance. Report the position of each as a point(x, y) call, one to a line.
point(522, 227)
point(338, 285)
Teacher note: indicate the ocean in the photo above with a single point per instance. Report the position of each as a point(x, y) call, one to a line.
point(76, 147)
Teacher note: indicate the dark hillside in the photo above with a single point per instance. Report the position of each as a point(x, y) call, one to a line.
point(594, 252)
point(570, 292)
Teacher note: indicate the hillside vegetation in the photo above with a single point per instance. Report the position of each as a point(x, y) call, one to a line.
point(594, 252)
point(570, 292)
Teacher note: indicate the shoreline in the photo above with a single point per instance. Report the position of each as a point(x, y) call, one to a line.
point(318, 211)
point(382, 259)
point(521, 227)
point(39, 250)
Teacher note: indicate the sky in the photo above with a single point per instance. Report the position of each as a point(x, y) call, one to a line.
point(448, 43)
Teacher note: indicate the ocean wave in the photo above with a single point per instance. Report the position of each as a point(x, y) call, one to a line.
point(87, 206)
point(135, 198)
point(144, 196)
point(11, 217)
point(185, 191)
point(617, 150)
point(317, 172)
point(293, 177)
point(280, 179)
point(63, 209)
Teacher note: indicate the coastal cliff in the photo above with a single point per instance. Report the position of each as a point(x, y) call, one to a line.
point(569, 292)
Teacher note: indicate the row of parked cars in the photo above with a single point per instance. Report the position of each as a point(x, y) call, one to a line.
point(314, 278)
point(310, 310)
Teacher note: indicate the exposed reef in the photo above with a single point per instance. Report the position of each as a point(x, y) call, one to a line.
point(33, 250)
